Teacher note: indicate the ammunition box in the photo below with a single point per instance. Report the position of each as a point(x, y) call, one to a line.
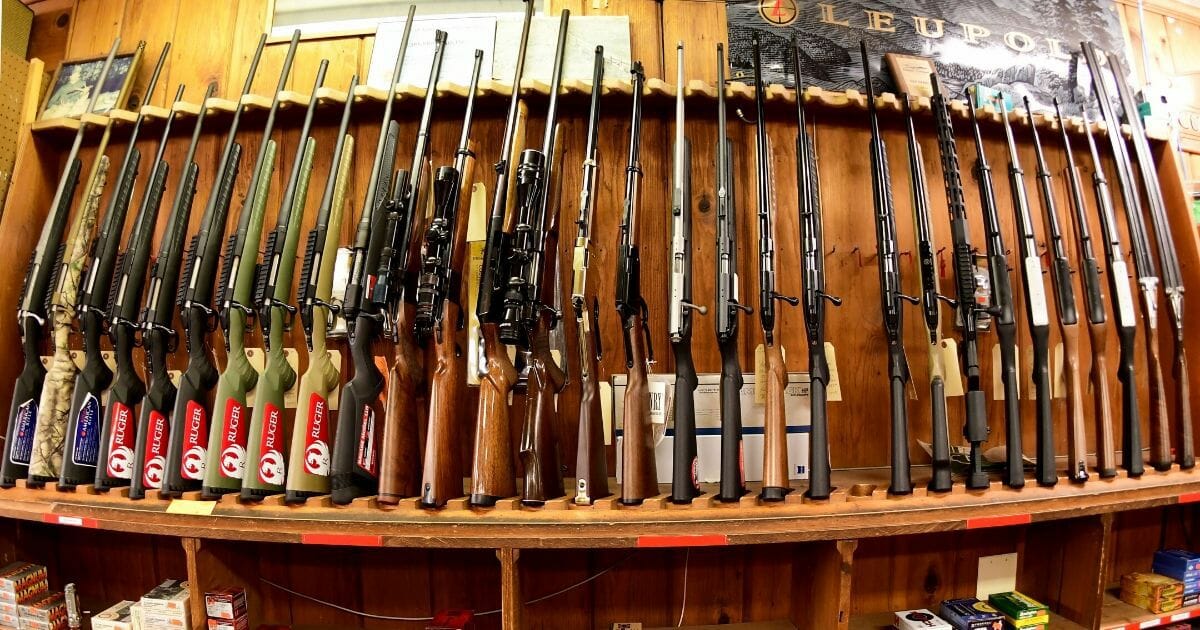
point(971, 614)
point(920, 619)
point(1178, 560)
point(1152, 585)
point(49, 608)
point(20, 580)
point(241, 623)
point(226, 603)
point(119, 616)
point(1017, 605)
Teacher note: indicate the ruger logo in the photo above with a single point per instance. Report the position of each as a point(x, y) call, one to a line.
point(270, 464)
point(366, 441)
point(195, 442)
point(233, 441)
point(120, 443)
point(316, 445)
point(156, 443)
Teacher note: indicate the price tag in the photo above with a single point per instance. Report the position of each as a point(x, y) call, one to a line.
point(606, 410)
point(1058, 377)
point(952, 376)
point(833, 389)
point(191, 508)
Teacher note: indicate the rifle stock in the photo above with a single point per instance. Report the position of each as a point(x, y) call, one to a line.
point(1160, 430)
point(1044, 442)
point(733, 465)
point(685, 484)
point(591, 467)
point(775, 454)
point(1076, 438)
point(1106, 465)
point(492, 476)
point(1183, 402)
point(539, 445)
point(639, 478)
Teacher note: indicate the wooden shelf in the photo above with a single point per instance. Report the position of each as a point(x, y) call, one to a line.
point(859, 508)
point(1117, 615)
point(657, 90)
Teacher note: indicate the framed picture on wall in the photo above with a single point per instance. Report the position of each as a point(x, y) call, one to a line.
point(75, 81)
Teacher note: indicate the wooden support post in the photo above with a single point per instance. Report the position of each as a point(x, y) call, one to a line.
point(191, 548)
point(510, 589)
point(821, 582)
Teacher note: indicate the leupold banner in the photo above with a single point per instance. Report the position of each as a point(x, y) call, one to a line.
point(1024, 47)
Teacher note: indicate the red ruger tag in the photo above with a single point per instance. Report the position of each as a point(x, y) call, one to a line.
point(233, 440)
point(156, 449)
point(195, 442)
point(120, 443)
point(316, 438)
point(366, 441)
point(270, 464)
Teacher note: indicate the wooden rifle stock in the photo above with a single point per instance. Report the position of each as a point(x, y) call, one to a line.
point(400, 445)
point(1160, 430)
point(1076, 438)
point(639, 478)
point(591, 467)
point(448, 380)
point(1183, 403)
point(1106, 464)
point(775, 452)
point(539, 445)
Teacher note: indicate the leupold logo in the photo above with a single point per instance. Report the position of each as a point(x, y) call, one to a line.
point(270, 468)
point(192, 464)
point(118, 462)
point(154, 472)
point(316, 459)
point(233, 461)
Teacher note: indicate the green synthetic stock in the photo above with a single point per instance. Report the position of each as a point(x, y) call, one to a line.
point(226, 456)
point(265, 448)
point(308, 464)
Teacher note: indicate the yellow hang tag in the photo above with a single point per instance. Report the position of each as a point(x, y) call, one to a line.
point(1058, 377)
point(760, 375)
point(833, 389)
point(476, 240)
point(952, 378)
point(191, 508)
point(606, 410)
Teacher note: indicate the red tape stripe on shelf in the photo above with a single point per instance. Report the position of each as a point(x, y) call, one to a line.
point(1160, 621)
point(689, 540)
point(999, 521)
point(342, 540)
point(74, 521)
point(1189, 497)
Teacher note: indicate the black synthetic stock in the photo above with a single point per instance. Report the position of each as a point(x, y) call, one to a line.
point(818, 453)
point(733, 474)
point(901, 481)
point(127, 390)
point(90, 383)
point(1046, 472)
point(1131, 425)
point(348, 480)
point(684, 483)
point(941, 481)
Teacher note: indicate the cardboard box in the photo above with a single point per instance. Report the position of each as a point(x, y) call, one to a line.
point(119, 616)
point(1031, 622)
point(1151, 586)
point(22, 579)
point(241, 623)
point(30, 624)
point(1178, 560)
point(1017, 605)
point(169, 599)
point(1191, 600)
point(971, 614)
point(1190, 579)
point(9, 621)
point(919, 619)
point(1008, 625)
point(226, 603)
point(1154, 605)
point(49, 608)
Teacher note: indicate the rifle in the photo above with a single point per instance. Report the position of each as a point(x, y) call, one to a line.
point(1093, 300)
point(930, 294)
point(975, 426)
point(118, 434)
point(222, 442)
point(1126, 320)
point(82, 446)
point(812, 291)
point(354, 468)
point(308, 462)
point(33, 310)
point(775, 485)
point(439, 313)
point(265, 448)
point(529, 313)
point(591, 467)
point(639, 478)
point(492, 476)
point(1172, 279)
point(733, 473)
point(1001, 309)
point(1068, 315)
point(1035, 308)
point(49, 434)
point(1131, 445)
point(891, 296)
point(685, 485)
point(393, 294)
